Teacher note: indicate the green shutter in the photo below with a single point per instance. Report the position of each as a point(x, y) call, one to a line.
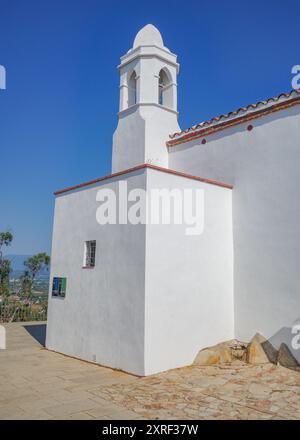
point(63, 285)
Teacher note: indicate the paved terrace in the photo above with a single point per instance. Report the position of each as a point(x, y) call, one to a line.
point(38, 384)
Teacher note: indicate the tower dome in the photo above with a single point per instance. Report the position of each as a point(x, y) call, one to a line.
point(149, 35)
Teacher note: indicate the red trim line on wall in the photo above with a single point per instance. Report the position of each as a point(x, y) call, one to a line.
point(198, 133)
point(140, 167)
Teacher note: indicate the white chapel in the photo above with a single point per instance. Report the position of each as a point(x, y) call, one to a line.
point(146, 297)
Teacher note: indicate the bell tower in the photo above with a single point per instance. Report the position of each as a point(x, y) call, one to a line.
point(148, 102)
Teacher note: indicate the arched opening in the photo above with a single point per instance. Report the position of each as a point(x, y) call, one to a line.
point(132, 89)
point(165, 90)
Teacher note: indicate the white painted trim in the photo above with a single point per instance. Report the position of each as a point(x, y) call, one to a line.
point(146, 104)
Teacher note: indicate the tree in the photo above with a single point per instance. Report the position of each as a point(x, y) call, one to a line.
point(5, 265)
point(5, 270)
point(26, 284)
point(36, 263)
point(5, 238)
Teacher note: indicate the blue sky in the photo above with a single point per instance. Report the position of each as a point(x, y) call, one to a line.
point(58, 113)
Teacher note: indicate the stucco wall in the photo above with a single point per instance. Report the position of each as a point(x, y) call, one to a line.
point(189, 279)
point(140, 136)
point(101, 318)
point(156, 295)
point(128, 148)
point(263, 165)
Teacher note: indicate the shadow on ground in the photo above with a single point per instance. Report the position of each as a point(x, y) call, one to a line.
point(38, 332)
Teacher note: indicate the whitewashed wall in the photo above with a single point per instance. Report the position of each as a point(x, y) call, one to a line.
point(140, 136)
point(101, 318)
point(189, 280)
point(155, 296)
point(263, 165)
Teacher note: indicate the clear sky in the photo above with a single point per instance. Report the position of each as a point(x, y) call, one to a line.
point(59, 110)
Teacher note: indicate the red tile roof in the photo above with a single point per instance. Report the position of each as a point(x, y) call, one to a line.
point(139, 167)
point(243, 114)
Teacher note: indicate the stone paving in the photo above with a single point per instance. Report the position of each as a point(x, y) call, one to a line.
point(39, 384)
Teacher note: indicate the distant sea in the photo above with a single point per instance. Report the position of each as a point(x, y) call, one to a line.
point(17, 264)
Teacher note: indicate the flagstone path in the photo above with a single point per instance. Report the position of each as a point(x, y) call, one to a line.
point(38, 384)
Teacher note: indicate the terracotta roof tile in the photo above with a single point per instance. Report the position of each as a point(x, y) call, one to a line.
point(283, 97)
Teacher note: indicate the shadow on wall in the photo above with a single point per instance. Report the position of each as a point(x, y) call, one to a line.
point(38, 332)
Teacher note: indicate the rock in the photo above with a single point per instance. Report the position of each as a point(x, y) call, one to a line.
point(285, 357)
point(259, 389)
point(218, 354)
point(207, 357)
point(261, 351)
point(238, 351)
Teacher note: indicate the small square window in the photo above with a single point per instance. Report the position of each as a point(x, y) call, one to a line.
point(59, 286)
point(90, 253)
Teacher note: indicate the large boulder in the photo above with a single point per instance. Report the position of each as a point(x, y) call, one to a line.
point(286, 358)
point(218, 354)
point(261, 351)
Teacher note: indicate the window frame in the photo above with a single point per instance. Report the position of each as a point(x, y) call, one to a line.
point(165, 89)
point(132, 89)
point(89, 257)
point(59, 287)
